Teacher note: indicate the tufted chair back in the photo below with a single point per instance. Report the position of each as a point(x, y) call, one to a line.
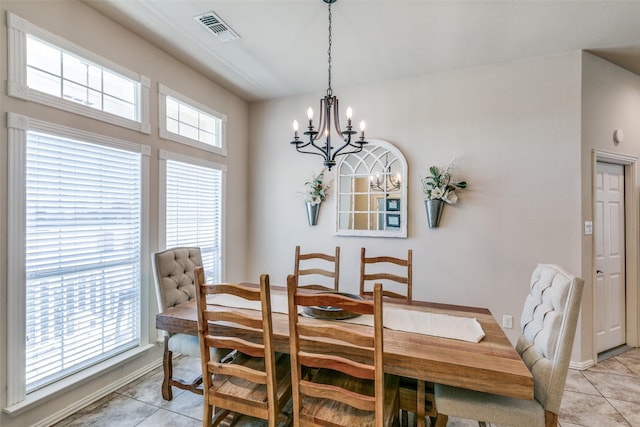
point(174, 275)
point(548, 325)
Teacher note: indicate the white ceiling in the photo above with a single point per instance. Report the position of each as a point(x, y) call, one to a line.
point(283, 46)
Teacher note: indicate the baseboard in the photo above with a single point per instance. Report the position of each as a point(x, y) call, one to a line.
point(581, 366)
point(97, 395)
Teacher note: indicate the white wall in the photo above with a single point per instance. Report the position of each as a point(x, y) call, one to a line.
point(516, 129)
point(80, 24)
point(610, 100)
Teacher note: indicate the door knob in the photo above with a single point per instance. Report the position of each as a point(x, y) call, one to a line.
point(599, 272)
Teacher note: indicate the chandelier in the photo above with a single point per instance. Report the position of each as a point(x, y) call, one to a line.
point(388, 182)
point(328, 111)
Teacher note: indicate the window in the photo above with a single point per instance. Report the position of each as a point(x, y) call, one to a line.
point(50, 70)
point(82, 237)
point(192, 208)
point(188, 122)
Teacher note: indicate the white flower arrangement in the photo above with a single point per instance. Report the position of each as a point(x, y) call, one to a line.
point(439, 185)
point(316, 190)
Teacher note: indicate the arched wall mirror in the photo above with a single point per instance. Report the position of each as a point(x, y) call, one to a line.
point(372, 192)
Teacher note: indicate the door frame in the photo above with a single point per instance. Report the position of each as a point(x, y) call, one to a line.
point(631, 229)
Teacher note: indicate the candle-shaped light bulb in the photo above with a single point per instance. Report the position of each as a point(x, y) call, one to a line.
point(310, 116)
point(349, 114)
point(295, 128)
point(362, 126)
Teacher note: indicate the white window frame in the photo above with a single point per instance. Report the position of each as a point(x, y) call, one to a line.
point(162, 198)
point(163, 92)
point(17, 86)
point(18, 125)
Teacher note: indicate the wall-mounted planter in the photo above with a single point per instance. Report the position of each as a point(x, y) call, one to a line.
point(434, 211)
point(312, 212)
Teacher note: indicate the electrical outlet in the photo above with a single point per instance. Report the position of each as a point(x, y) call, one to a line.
point(507, 321)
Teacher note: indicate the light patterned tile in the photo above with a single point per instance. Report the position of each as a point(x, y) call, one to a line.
point(588, 410)
point(629, 410)
point(187, 367)
point(118, 411)
point(149, 390)
point(187, 403)
point(631, 363)
point(613, 366)
point(634, 352)
point(613, 386)
point(578, 383)
point(163, 418)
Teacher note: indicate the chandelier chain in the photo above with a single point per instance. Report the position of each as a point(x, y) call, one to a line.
point(329, 91)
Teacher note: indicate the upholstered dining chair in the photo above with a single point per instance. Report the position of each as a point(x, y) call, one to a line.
point(345, 390)
point(316, 264)
point(548, 325)
point(257, 381)
point(173, 272)
point(394, 273)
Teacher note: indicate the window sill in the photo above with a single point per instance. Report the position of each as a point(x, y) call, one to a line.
point(40, 396)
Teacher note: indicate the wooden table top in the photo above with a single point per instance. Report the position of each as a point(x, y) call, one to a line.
point(492, 365)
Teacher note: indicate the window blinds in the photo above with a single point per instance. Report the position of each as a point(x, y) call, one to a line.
point(83, 203)
point(194, 212)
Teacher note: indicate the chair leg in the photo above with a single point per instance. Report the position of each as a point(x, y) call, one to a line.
point(167, 365)
point(420, 396)
point(550, 419)
point(441, 420)
point(168, 381)
point(207, 417)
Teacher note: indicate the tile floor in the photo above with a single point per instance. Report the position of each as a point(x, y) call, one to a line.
point(606, 395)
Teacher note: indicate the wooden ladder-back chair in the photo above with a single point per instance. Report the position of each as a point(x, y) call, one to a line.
point(257, 381)
point(344, 391)
point(173, 273)
point(316, 264)
point(372, 269)
point(415, 395)
point(548, 323)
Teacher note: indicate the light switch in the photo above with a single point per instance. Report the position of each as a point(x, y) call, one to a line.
point(507, 321)
point(588, 227)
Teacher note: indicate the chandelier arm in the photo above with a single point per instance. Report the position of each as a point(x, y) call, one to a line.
point(317, 153)
point(339, 151)
point(322, 122)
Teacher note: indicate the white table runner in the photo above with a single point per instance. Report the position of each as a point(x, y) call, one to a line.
point(426, 323)
point(279, 303)
point(397, 318)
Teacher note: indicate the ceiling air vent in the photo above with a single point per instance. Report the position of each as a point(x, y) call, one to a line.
point(213, 23)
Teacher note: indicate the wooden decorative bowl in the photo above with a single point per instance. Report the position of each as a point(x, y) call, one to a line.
point(331, 313)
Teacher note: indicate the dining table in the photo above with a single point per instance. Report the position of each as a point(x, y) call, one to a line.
point(490, 365)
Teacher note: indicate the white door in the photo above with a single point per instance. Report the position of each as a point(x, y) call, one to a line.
point(610, 256)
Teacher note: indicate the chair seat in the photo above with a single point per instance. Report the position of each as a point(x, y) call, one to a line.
point(250, 394)
point(501, 410)
point(188, 345)
point(334, 414)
